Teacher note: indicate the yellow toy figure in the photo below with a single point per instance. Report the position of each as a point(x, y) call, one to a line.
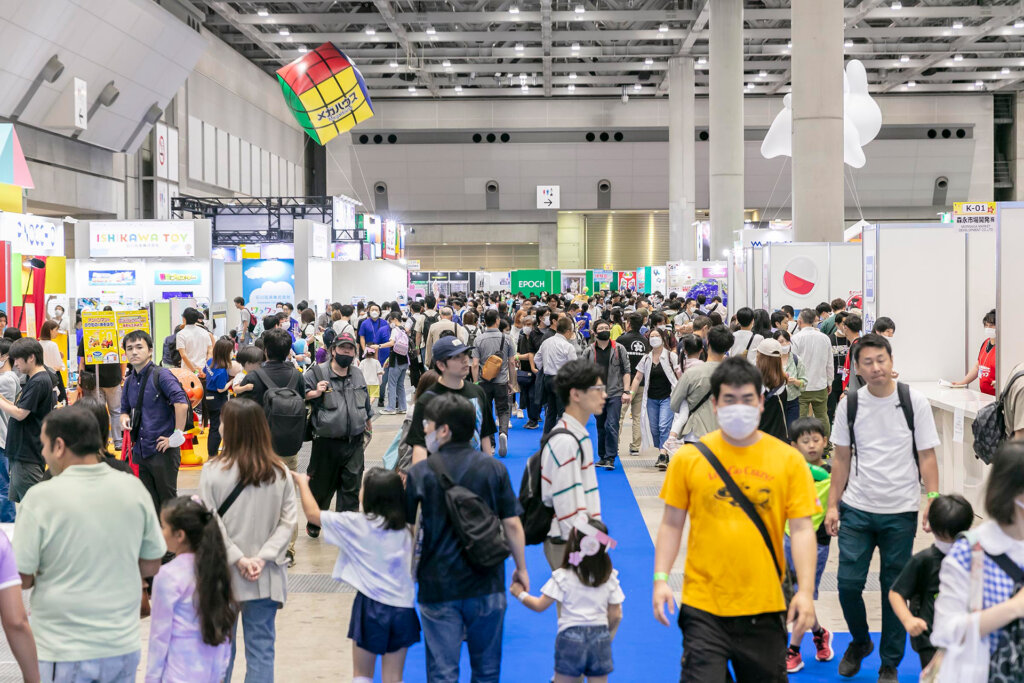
point(193, 386)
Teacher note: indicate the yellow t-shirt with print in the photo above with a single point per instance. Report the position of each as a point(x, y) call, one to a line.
point(728, 569)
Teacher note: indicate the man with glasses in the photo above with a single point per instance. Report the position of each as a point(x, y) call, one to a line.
point(568, 477)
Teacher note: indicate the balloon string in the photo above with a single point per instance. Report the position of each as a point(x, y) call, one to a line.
point(785, 163)
point(852, 184)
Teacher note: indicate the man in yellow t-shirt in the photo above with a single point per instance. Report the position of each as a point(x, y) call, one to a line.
point(733, 608)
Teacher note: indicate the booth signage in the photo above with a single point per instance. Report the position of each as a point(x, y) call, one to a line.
point(321, 242)
point(974, 216)
point(99, 336)
point(111, 278)
point(413, 264)
point(120, 239)
point(32, 234)
point(265, 282)
point(531, 281)
point(178, 277)
point(549, 197)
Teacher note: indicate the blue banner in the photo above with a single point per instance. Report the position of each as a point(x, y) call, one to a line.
point(267, 282)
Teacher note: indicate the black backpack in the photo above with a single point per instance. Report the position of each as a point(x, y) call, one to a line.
point(479, 530)
point(536, 517)
point(286, 413)
point(428, 320)
point(171, 357)
point(905, 403)
point(989, 427)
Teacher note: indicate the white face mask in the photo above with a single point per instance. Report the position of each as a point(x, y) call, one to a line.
point(785, 349)
point(527, 329)
point(943, 546)
point(990, 333)
point(374, 314)
point(739, 421)
point(432, 442)
point(655, 342)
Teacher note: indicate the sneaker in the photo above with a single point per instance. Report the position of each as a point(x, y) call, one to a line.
point(634, 451)
point(312, 531)
point(503, 445)
point(887, 674)
point(290, 556)
point(605, 464)
point(519, 413)
point(794, 662)
point(385, 411)
point(662, 462)
point(823, 644)
point(532, 424)
point(854, 655)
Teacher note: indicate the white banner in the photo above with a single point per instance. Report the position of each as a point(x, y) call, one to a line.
point(141, 239)
point(32, 235)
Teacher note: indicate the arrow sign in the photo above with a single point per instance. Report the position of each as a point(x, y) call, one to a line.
point(548, 197)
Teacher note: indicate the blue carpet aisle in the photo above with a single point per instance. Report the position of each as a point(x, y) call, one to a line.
point(643, 650)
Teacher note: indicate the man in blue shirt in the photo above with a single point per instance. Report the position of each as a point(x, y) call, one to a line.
point(153, 407)
point(457, 601)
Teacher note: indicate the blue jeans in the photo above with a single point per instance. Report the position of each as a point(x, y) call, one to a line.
point(859, 534)
point(608, 429)
point(258, 630)
point(119, 669)
point(659, 417)
point(384, 382)
point(6, 506)
point(479, 622)
point(818, 570)
point(395, 398)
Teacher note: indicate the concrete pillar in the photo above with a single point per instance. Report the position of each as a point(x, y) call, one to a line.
point(818, 197)
point(726, 129)
point(682, 185)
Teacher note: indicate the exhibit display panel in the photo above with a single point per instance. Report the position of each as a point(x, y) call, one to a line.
point(804, 274)
point(1009, 289)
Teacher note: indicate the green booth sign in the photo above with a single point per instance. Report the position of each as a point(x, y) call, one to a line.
point(535, 281)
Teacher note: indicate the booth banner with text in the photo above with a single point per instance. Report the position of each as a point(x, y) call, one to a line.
point(267, 282)
point(32, 234)
point(111, 278)
point(604, 280)
point(974, 216)
point(166, 278)
point(103, 332)
point(141, 239)
point(535, 281)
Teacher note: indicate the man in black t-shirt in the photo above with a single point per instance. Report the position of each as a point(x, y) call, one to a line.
point(637, 347)
point(24, 448)
point(107, 390)
point(451, 359)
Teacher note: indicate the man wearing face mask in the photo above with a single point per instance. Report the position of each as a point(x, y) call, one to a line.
point(526, 373)
point(733, 607)
point(875, 496)
point(556, 351)
point(613, 359)
point(636, 347)
point(341, 413)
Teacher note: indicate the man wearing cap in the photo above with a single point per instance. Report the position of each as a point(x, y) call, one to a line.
point(451, 359)
point(341, 412)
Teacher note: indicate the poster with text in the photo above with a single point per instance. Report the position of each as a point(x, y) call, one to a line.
point(266, 282)
point(99, 335)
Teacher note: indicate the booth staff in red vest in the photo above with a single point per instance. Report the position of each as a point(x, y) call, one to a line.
point(985, 369)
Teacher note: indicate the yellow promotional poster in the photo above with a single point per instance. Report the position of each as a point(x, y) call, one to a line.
point(99, 336)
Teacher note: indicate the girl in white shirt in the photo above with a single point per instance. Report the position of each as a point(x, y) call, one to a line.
point(51, 352)
point(376, 559)
point(589, 599)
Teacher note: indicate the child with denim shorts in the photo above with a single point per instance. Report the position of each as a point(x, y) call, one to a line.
point(808, 436)
point(590, 599)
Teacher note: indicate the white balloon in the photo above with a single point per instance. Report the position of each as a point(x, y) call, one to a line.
point(853, 155)
point(779, 139)
point(859, 106)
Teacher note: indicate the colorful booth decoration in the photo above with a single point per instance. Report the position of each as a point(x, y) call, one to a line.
point(14, 173)
point(326, 93)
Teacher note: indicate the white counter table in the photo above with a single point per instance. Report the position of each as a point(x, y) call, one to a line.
point(960, 471)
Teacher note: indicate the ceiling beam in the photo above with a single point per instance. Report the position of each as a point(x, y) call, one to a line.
point(700, 22)
point(254, 35)
point(387, 13)
point(545, 38)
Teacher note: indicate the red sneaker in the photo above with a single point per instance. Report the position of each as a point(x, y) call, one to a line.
point(823, 644)
point(794, 662)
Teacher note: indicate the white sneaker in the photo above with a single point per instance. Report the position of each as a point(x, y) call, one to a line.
point(519, 413)
point(503, 445)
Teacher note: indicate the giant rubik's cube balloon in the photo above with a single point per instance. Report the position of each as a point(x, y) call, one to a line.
point(326, 92)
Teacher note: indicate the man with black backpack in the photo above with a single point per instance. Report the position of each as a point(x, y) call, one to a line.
point(885, 439)
point(340, 412)
point(246, 322)
point(468, 518)
point(154, 407)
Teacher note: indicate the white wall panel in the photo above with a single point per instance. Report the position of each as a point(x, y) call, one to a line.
point(275, 168)
point(846, 265)
point(209, 154)
point(195, 148)
point(265, 172)
point(257, 171)
point(222, 158)
point(234, 166)
point(245, 167)
point(1009, 321)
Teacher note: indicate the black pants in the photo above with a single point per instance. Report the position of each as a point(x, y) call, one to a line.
point(159, 474)
point(496, 395)
point(415, 369)
point(833, 398)
point(755, 645)
point(552, 404)
point(336, 466)
point(526, 402)
point(213, 409)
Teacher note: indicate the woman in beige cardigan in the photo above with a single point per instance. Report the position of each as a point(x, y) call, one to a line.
point(249, 487)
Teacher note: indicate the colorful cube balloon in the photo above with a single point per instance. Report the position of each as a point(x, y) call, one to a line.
point(326, 92)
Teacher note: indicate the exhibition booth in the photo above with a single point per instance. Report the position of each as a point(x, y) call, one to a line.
point(804, 274)
point(690, 278)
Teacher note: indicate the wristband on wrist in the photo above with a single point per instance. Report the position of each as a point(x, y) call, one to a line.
point(933, 495)
point(660, 576)
point(522, 596)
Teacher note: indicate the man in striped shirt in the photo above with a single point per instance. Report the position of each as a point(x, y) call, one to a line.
point(568, 478)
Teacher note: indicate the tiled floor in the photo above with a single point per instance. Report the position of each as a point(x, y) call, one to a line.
point(311, 629)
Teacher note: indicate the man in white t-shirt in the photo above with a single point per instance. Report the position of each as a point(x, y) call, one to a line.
point(875, 495)
point(193, 342)
point(744, 344)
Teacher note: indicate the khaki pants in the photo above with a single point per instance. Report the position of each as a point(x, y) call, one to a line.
point(636, 406)
point(554, 553)
point(292, 461)
point(815, 403)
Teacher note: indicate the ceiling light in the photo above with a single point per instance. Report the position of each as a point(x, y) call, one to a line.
point(412, 88)
point(958, 58)
point(283, 32)
point(579, 9)
point(303, 49)
point(262, 12)
point(520, 47)
point(1004, 71)
point(911, 84)
point(497, 75)
point(1019, 23)
point(393, 63)
point(514, 9)
point(848, 43)
point(525, 88)
point(431, 30)
point(702, 60)
point(904, 58)
point(575, 47)
point(978, 84)
point(649, 61)
point(750, 86)
point(957, 25)
point(663, 28)
point(446, 63)
point(762, 74)
point(789, 45)
point(370, 31)
point(458, 89)
point(572, 76)
point(896, 4)
point(637, 86)
point(572, 87)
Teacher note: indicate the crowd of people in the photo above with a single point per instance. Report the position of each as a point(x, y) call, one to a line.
point(776, 431)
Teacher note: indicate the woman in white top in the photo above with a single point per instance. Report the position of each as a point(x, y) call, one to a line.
point(257, 526)
point(660, 371)
point(51, 352)
point(979, 607)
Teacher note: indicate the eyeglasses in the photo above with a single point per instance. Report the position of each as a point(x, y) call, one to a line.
point(600, 387)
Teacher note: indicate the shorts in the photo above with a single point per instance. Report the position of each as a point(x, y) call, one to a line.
point(819, 568)
point(754, 646)
point(380, 628)
point(584, 651)
point(24, 475)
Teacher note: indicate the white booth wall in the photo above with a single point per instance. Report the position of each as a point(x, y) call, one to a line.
point(1010, 289)
point(738, 293)
point(374, 280)
point(313, 271)
point(830, 270)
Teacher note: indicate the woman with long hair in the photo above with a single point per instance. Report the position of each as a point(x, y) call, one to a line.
point(660, 371)
point(250, 488)
point(51, 352)
point(773, 376)
point(192, 604)
point(796, 376)
point(216, 390)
